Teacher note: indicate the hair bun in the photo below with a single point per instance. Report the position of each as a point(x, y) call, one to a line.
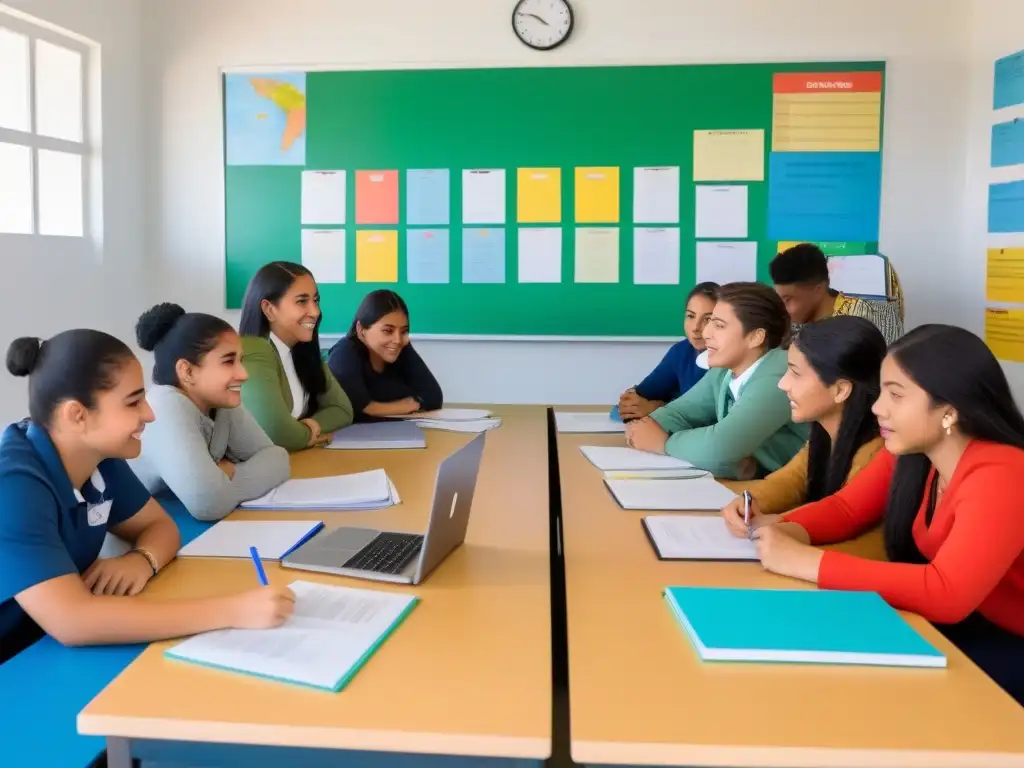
point(23, 355)
point(155, 324)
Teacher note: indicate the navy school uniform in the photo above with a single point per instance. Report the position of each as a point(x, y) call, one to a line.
point(47, 527)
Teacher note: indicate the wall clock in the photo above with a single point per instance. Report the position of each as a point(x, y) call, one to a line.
point(542, 24)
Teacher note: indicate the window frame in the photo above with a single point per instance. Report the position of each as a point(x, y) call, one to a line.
point(35, 141)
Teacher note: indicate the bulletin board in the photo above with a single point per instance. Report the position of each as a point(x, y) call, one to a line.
point(546, 201)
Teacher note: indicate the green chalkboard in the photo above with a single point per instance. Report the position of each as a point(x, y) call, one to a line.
point(507, 118)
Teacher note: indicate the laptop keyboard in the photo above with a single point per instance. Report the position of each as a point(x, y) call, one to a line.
point(388, 553)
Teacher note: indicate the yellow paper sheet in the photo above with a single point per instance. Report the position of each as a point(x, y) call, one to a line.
point(1005, 275)
point(728, 155)
point(597, 195)
point(597, 255)
point(826, 122)
point(1004, 333)
point(376, 256)
point(539, 195)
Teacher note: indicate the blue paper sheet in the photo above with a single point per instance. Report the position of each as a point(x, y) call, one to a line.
point(483, 255)
point(427, 193)
point(1006, 207)
point(1009, 81)
point(1008, 143)
point(824, 196)
point(427, 256)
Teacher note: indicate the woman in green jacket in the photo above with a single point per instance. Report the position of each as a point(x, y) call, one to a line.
point(290, 391)
point(735, 422)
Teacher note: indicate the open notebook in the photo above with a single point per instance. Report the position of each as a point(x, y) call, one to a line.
point(468, 420)
point(697, 493)
point(331, 635)
point(798, 625)
point(695, 537)
point(620, 459)
point(587, 423)
point(379, 435)
point(273, 539)
point(362, 490)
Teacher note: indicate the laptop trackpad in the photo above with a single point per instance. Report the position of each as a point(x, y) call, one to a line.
point(342, 543)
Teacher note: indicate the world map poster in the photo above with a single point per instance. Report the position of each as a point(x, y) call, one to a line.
point(265, 119)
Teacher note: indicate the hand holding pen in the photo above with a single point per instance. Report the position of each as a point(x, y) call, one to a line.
point(743, 516)
point(263, 608)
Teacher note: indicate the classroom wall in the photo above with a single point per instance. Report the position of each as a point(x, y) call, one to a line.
point(924, 43)
point(51, 284)
point(997, 29)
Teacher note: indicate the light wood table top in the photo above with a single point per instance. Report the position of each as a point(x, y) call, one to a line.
point(467, 673)
point(640, 695)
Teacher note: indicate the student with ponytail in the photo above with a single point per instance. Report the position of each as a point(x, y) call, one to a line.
point(204, 445)
point(832, 382)
point(946, 490)
point(65, 482)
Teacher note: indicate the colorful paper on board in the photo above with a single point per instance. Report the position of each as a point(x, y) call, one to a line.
point(483, 255)
point(265, 118)
point(597, 195)
point(1006, 207)
point(427, 256)
point(597, 255)
point(1004, 275)
point(376, 256)
point(827, 112)
point(376, 197)
point(728, 155)
point(1004, 333)
point(1009, 81)
point(427, 197)
point(539, 195)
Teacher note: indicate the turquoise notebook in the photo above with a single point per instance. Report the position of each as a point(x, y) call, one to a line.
point(332, 633)
point(801, 626)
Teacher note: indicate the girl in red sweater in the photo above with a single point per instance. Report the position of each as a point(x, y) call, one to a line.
point(947, 491)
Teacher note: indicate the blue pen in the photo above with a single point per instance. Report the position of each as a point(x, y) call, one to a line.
point(259, 567)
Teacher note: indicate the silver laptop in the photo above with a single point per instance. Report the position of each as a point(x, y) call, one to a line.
point(403, 558)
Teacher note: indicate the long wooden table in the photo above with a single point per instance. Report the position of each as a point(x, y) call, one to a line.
point(640, 695)
point(467, 674)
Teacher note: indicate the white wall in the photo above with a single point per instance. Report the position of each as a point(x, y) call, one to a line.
point(52, 284)
point(997, 29)
point(923, 41)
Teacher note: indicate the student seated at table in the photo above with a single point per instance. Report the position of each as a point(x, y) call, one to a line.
point(832, 382)
point(947, 492)
point(65, 482)
point(204, 445)
point(735, 422)
point(800, 275)
point(376, 364)
point(678, 370)
point(290, 392)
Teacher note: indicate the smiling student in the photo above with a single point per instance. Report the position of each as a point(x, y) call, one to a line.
point(678, 371)
point(64, 483)
point(376, 364)
point(946, 490)
point(290, 392)
point(735, 422)
point(204, 446)
point(832, 382)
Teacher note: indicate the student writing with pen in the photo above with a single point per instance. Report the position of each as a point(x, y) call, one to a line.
point(64, 483)
point(678, 371)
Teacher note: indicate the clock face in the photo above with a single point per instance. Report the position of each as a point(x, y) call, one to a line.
point(542, 24)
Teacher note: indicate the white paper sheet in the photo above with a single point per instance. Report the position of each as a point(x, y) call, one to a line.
point(331, 634)
point(612, 458)
point(858, 275)
point(540, 254)
point(323, 197)
point(721, 211)
point(656, 256)
point(699, 493)
point(232, 538)
point(656, 195)
point(362, 490)
point(697, 537)
point(323, 253)
point(593, 423)
point(483, 196)
point(724, 261)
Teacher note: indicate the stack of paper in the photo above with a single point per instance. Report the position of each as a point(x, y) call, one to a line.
point(333, 632)
point(363, 490)
point(273, 539)
point(796, 625)
point(383, 435)
point(470, 420)
point(592, 423)
point(613, 459)
point(696, 537)
point(698, 493)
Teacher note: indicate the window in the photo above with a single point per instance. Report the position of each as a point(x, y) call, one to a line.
point(44, 147)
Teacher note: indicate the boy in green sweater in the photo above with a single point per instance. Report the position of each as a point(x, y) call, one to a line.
point(736, 422)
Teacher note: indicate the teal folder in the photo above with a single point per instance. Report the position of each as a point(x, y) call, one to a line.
point(799, 626)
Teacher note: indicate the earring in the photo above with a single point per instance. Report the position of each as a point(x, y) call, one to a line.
point(948, 424)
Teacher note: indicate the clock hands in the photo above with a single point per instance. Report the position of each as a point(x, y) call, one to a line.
point(533, 15)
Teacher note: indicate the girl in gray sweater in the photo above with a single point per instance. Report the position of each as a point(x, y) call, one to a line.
point(203, 446)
